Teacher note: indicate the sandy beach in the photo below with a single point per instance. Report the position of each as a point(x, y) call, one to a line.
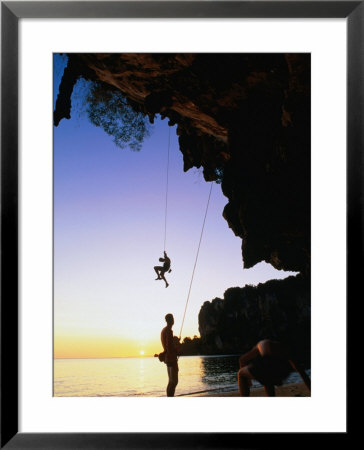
point(288, 390)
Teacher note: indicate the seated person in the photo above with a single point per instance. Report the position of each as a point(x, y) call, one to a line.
point(269, 363)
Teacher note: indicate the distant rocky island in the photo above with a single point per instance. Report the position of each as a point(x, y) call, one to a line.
point(277, 309)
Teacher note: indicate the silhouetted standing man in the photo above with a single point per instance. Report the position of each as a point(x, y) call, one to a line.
point(170, 359)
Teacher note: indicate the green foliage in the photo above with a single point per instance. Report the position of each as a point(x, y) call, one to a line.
point(107, 108)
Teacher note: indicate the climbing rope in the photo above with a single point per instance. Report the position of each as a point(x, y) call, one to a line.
point(194, 267)
point(166, 207)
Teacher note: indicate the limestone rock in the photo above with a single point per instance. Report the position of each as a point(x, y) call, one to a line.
point(277, 309)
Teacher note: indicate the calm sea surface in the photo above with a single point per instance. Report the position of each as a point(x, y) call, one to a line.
point(146, 376)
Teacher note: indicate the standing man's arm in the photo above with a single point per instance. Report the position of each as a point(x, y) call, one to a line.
point(169, 342)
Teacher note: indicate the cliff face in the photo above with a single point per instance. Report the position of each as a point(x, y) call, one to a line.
point(278, 309)
point(242, 117)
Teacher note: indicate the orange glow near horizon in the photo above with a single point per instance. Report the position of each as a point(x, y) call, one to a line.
point(102, 347)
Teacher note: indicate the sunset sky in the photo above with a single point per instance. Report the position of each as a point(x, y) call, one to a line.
point(109, 210)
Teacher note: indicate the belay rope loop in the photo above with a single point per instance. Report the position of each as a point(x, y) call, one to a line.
point(194, 267)
point(166, 208)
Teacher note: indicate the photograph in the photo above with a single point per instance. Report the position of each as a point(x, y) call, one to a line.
point(181, 207)
point(182, 224)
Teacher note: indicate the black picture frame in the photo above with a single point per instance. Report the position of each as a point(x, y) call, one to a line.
point(11, 12)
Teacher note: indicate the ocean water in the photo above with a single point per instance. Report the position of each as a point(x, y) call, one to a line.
point(146, 376)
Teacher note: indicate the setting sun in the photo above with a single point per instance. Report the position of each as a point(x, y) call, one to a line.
point(141, 352)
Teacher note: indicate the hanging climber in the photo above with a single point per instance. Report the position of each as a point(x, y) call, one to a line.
point(161, 270)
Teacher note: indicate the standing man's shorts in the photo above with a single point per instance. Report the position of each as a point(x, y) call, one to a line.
point(172, 369)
